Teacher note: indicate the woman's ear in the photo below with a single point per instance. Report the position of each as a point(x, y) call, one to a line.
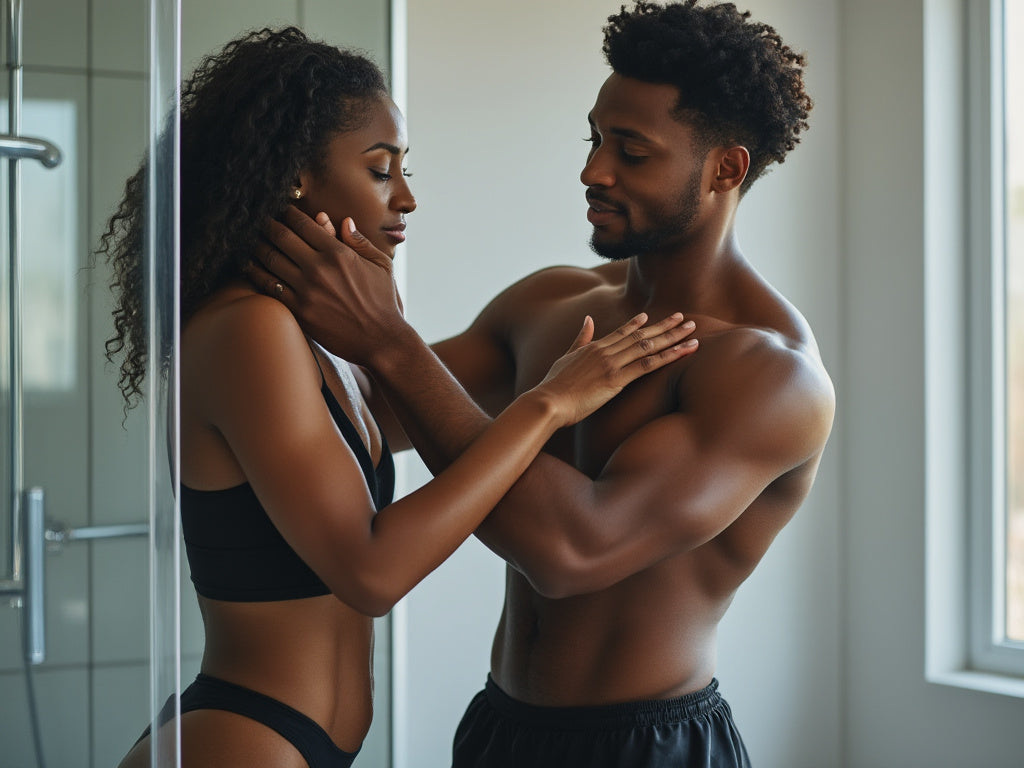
point(732, 164)
point(300, 185)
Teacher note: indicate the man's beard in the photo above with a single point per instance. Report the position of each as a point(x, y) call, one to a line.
point(667, 228)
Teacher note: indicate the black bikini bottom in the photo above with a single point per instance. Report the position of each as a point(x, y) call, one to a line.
point(312, 741)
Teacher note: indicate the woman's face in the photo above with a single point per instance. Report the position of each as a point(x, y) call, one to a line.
point(364, 177)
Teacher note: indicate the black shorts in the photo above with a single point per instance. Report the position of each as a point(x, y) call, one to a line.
point(692, 731)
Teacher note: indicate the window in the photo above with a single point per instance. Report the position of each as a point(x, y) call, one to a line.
point(1014, 207)
point(996, 376)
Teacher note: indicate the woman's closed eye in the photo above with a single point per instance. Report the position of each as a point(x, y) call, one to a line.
point(386, 176)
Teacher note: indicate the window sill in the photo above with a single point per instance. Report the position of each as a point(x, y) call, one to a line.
point(988, 682)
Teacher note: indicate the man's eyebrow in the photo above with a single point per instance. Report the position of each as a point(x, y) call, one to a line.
point(624, 133)
point(384, 145)
point(628, 133)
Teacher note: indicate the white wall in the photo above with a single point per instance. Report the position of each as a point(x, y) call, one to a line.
point(498, 97)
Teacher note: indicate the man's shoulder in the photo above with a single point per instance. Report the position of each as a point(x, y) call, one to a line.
point(763, 380)
point(746, 355)
point(558, 283)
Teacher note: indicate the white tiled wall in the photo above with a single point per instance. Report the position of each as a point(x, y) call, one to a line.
point(351, 23)
point(119, 30)
point(208, 24)
point(53, 33)
point(120, 619)
point(113, 732)
point(63, 694)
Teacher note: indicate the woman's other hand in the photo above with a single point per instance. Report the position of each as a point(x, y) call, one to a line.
point(592, 372)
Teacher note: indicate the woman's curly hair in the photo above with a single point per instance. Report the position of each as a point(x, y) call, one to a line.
point(252, 117)
point(737, 81)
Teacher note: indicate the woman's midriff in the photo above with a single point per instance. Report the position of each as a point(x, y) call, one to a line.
point(314, 654)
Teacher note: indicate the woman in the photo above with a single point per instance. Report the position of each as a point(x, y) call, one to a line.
point(293, 540)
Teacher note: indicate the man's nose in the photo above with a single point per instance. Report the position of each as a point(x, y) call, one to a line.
point(597, 172)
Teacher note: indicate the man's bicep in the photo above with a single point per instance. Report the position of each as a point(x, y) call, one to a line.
point(696, 472)
point(681, 485)
point(657, 496)
point(672, 486)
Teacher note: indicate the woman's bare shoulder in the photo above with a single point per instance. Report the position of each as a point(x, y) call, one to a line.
point(241, 341)
point(237, 309)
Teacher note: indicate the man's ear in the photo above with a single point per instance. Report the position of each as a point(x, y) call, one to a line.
point(731, 166)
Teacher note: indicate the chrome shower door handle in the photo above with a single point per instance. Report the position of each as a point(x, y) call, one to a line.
point(34, 624)
point(29, 148)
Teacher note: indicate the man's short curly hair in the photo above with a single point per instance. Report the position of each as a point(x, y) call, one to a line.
point(738, 82)
point(253, 115)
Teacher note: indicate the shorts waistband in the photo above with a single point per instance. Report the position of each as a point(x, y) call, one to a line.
point(627, 714)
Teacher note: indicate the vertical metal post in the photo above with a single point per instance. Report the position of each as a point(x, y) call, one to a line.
point(16, 458)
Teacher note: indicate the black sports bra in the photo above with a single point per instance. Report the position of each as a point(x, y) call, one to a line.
point(234, 551)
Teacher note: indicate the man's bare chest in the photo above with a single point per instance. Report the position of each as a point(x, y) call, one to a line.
point(589, 444)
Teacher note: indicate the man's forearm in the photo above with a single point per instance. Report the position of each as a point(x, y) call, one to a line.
point(439, 416)
point(441, 420)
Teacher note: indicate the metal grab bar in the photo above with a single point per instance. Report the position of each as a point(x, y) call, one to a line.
point(29, 148)
point(35, 577)
point(93, 532)
point(29, 589)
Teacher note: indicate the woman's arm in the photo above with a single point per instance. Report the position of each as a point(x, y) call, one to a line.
point(263, 395)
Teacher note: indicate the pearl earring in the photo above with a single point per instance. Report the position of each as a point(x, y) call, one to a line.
point(297, 193)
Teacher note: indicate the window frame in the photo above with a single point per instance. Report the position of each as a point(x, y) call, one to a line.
point(989, 650)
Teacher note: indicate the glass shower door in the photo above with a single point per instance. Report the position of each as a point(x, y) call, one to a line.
point(119, 621)
point(93, 570)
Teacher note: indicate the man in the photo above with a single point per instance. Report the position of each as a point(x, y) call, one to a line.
point(628, 537)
